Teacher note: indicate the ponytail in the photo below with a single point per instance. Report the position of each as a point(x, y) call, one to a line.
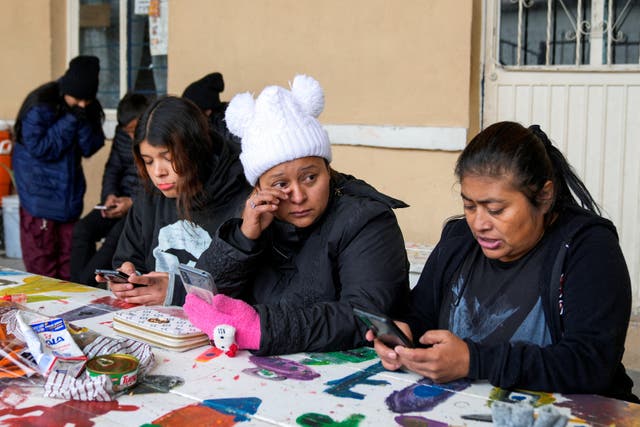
point(566, 181)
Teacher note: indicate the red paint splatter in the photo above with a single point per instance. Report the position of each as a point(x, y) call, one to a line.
point(113, 302)
point(236, 377)
point(75, 412)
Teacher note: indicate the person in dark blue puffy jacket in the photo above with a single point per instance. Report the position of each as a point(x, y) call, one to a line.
point(119, 185)
point(58, 123)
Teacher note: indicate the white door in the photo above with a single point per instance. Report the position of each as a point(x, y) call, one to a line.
point(563, 64)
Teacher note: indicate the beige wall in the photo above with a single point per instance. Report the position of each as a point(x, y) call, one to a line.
point(409, 63)
point(380, 63)
point(26, 51)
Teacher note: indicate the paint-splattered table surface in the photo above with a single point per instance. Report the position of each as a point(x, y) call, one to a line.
point(321, 389)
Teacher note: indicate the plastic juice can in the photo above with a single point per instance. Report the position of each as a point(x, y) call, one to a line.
point(121, 368)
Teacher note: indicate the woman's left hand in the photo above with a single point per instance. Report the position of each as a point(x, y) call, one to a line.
point(446, 360)
point(153, 289)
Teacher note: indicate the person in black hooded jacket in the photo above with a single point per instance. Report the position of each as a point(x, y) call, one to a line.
point(193, 182)
point(312, 243)
point(530, 290)
point(119, 185)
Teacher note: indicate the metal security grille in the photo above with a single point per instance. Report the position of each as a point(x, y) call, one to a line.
point(569, 32)
point(584, 91)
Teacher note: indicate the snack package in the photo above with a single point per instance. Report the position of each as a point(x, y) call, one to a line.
point(15, 359)
point(51, 344)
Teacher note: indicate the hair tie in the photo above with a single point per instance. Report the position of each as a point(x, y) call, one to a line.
point(541, 135)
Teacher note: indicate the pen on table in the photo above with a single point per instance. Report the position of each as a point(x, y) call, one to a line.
point(477, 417)
point(19, 298)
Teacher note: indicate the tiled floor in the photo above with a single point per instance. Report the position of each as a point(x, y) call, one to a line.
point(19, 265)
point(11, 262)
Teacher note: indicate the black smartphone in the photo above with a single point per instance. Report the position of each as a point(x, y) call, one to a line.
point(383, 328)
point(198, 282)
point(114, 276)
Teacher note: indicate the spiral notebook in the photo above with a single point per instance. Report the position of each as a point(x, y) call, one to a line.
point(159, 326)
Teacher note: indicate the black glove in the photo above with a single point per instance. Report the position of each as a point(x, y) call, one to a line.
point(79, 112)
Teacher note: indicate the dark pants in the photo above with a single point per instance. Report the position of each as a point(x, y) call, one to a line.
point(84, 256)
point(46, 245)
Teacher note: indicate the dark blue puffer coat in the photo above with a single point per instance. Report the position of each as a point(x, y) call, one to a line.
point(47, 162)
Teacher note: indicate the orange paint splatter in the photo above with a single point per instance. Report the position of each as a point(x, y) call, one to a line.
point(186, 416)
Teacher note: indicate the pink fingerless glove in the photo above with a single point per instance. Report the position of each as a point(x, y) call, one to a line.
point(225, 310)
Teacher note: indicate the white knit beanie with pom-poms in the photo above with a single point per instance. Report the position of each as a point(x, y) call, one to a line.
point(278, 126)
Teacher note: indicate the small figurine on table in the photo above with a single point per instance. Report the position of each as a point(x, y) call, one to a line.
point(224, 338)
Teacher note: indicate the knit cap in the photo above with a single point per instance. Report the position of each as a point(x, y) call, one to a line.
point(279, 126)
point(205, 93)
point(81, 78)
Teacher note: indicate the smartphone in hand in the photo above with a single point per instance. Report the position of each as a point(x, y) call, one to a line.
point(114, 276)
point(198, 282)
point(103, 207)
point(383, 328)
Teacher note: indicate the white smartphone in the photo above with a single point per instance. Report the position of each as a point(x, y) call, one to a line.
point(103, 207)
point(197, 282)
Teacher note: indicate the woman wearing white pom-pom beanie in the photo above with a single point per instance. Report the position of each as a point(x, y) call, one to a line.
point(311, 244)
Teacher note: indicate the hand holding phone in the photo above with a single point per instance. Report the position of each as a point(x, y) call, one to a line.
point(198, 282)
point(114, 276)
point(383, 328)
point(103, 207)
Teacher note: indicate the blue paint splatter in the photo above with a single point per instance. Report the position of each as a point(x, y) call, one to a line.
point(423, 395)
point(342, 387)
point(241, 407)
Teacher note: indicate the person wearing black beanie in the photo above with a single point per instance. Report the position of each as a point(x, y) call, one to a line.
point(58, 123)
point(205, 93)
point(81, 79)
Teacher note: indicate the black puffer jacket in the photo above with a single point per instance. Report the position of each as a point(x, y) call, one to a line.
point(304, 282)
point(155, 239)
point(587, 339)
point(120, 175)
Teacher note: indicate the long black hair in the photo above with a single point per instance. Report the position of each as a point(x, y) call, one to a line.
point(529, 157)
point(49, 94)
point(179, 125)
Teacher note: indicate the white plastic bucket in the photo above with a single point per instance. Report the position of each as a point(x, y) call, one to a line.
point(11, 223)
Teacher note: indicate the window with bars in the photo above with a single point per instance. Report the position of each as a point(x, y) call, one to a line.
point(129, 37)
point(569, 32)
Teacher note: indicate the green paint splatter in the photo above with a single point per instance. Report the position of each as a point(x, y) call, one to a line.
point(356, 355)
point(312, 419)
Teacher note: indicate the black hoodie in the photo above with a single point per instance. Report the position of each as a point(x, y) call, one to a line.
point(585, 273)
point(155, 239)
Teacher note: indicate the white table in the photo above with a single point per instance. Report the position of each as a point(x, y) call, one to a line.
point(300, 389)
